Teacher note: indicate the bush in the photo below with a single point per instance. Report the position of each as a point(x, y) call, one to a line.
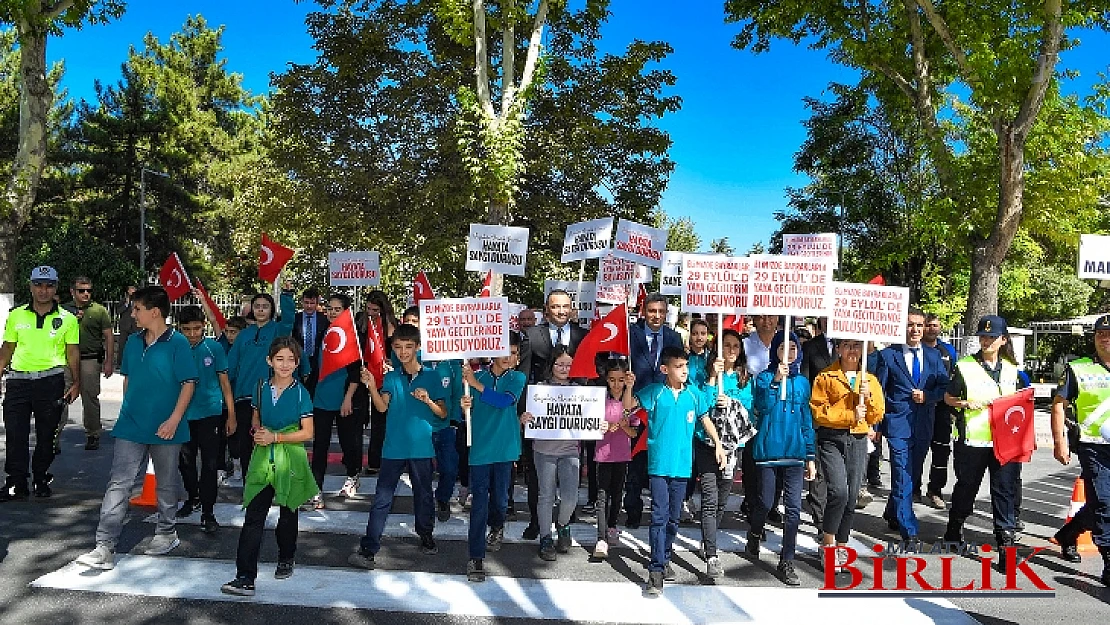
point(73, 252)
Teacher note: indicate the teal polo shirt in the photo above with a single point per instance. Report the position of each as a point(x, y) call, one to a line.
point(671, 421)
point(246, 361)
point(208, 398)
point(291, 406)
point(496, 431)
point(331, 389)
point(408, 422)
point(155, 374)
point(449, 373)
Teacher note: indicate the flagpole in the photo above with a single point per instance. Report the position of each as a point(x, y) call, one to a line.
point(578, 292)
point(785, 350)
point(862, 373)
point(358, 343)
point(277, 296)
point(466, 412)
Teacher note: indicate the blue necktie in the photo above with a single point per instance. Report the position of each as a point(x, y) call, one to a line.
point(309, 334)
point(558, 336)
point(653, 349)
point(916, 371)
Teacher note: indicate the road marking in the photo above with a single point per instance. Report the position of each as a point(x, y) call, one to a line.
point(499, 597)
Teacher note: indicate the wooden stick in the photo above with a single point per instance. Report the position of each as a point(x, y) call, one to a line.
point(578, 292)
point(721, 351)
point(862, 379)
point(785, 350)
point(469, 429)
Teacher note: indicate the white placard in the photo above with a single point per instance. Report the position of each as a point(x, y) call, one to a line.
point(354, 269)
point(670, 274)
point(1094, 257)
point(868, 312)
point(789, 285)
point(614, 280)
point(715, 283)
point(581, 299)
point(639, 243)
point(566, 412)
point(811, 246)
point(587, 239)
point(500, 249)
point(465, 327)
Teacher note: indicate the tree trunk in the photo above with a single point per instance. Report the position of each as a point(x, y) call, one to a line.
point(988, 255)
point(499, 216)
point(35, 100)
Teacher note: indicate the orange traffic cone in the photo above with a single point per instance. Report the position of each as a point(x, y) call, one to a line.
point(1078, 500)
point(149, 496)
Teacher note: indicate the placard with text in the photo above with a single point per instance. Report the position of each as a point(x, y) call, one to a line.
point(500, 249)
point(789, 285)
point(713, 283)
point(465, 327)
point(639, 243)
point(566, 412)
point(354, 269)
point(868, 312)
point(587, 239)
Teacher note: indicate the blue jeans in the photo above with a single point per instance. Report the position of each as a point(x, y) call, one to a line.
point(792, 478)
point(447, 462)
point(1094, 516)
point(489, 485)
point(420, 473)
point(667, 494)
point(900, 504)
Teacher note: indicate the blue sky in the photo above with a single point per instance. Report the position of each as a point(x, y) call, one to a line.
point(734, 138)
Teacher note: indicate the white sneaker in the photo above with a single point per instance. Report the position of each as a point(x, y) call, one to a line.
point(221, 477)
point(863, 499)
point(162, 544)
point(350, 488)
point(101, 558)
point(601, 550)
point(469, 500)
point(687, 515)
point(463, 493)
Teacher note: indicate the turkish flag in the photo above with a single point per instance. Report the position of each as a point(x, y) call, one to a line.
point(174, 278)
point(733, 322)
point(272, 257)
point(374, 354)
point(609, 334)
point(340, 345)
point(641, 300)
point(421, 288)
point(486, 284)
point(1012, 427)
point(641, 445)
point(877, 280)
point(218, 316)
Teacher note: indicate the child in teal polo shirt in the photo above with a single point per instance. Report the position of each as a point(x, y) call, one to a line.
point(412, 398)
point(673, 409)
point(204, 415)
point(279, 472)
point(495, 434)
point(159, 379)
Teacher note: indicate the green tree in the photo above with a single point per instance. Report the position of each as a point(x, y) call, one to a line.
point(721, 246)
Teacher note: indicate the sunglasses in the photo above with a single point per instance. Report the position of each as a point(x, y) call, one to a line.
point(83, 290)
point(42, 284)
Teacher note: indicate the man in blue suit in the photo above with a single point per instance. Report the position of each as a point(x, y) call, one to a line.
point(647, 339)
point(914, 379)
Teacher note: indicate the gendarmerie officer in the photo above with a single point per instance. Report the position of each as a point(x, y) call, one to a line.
point(1086, 386)
point(40, 342)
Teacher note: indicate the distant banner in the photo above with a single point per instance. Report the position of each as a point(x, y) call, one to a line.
point(789, 285)
point(466, 327)
point(811, 246)
point(614, 280)
point(670, 274)
point(868, 312)
point(566, 412)
point(582, 299)
point(354, 269)
point(501, 249)
point(639, 243)
point(714, 284)
point(587, 239)
point(1094, 257)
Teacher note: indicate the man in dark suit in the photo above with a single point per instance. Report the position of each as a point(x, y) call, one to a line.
point(309, 328)
point(914, 379)
point(648, 338)
point(535, 362)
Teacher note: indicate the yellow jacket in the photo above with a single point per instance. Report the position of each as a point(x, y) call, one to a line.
point(834, 402)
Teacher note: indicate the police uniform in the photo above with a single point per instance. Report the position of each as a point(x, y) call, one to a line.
point(973, 453)
point(35, 386)
point(1086, 385)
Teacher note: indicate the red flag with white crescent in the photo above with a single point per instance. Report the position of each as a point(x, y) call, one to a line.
point(217, 316)
point(1012, 427)
point(340, 345)
point(734, 322)
point(877, 280)
point(272, 257)
point(174, 278)
point(374, 354)
point(609, 334)
point(486, 284)
point(421, 288)
point(641, 300)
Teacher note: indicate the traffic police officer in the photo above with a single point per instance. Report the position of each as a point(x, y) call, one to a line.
point(1086, 385)
point(40, 342)
point(978, 380)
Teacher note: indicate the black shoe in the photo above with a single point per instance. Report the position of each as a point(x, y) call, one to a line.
point(42, 488)
point(14, 493)
point(1070, 553)
point(892, 523)
point(361, 560)
point(632, 525)
point(752, 548)
point(428, 545)
point(655, 584)
point(668, 573)
point(532, 532)
point(774, 516)
point(510, 513)
point(443, 511)
point(787, 573)
point(1002, 542)
point(1019, 525)
point(92, 442)
point(208, 524)
point(284, 570)
point(187, 509)
point(875, 482)
point(547, 548)
point(240, 586)
point(475, 572)
point(563, 542)
point(494, 539)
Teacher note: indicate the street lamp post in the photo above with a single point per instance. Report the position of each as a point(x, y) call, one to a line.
point(142, 216)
